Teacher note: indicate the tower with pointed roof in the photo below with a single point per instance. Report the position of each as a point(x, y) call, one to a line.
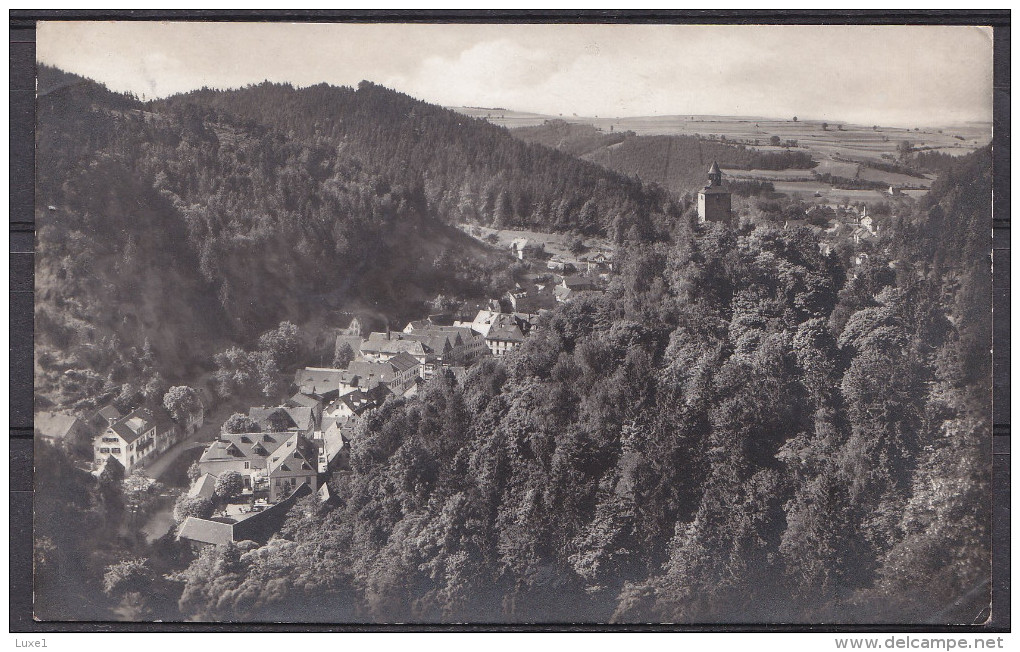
point(714, 199)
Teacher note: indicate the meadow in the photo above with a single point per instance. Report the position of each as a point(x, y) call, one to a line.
point(843, 150)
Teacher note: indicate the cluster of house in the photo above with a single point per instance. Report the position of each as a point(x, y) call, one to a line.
point(285, 449)
point(529, 298)
point(275, 455)
point(134, 439)
point(598, 261)
point(281, 452)
point(855, 224)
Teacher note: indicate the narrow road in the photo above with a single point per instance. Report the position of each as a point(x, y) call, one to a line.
point(198, 439)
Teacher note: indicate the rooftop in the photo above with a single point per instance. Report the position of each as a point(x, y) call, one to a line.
point(292, 457)
point(203, 531)
point(204, 487)
point(282, 417)
point(134, 425)
point(55, 425)
point(109, 413)
point(303, 400)
point(317, 380)
point(403, 362)
point(246, 445)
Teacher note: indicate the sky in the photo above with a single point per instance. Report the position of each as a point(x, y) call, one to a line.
point(886, 75)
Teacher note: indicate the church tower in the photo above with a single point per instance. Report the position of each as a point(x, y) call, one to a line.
point(714, 199)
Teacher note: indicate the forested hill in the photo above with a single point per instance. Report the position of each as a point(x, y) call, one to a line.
point(469, 169)
point(740, 429)
point(677, 163)
point(165, 232)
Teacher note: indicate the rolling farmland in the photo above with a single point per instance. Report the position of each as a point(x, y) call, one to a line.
point(842, 150)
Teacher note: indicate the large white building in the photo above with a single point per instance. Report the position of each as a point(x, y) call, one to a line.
point(130, 440)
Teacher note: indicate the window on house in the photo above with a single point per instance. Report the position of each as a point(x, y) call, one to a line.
point(104, 450)
point(115, 451)
point(247, 465)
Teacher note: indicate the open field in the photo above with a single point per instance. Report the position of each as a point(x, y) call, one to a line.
point(859, 142)
point(840, 149)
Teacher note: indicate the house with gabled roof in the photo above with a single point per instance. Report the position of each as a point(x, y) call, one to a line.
point(416, 324)
point(397, 373)
point(483, 321)
point(284, 418)
point(573, 286)
point(445, 344)
point(323, 382)
point(353, 341)
point(432, 321)
point(580, 283)
point(557, 264)
point(104, 417)
point(504, 335)
point(522, 248)
point(204, 531)
point(529, 298)
point(355, 403)
point(167, 432)
point(242, 452)
point(57, 427)
point(334, 437)
point(599, 261)
point(314, 403)
point(405, 371)
point(131, 440)
point(364, 375)
point(255, 526)
point(204, 487)
point(862, 234)
point(292, 464)
point(380, 347)
point(263, 457)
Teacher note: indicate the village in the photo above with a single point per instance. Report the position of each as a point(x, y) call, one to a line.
point(344, 324)
point(261, 462)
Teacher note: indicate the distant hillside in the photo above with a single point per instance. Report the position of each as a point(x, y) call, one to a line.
point(677, 163)
point(167, 232)
point(469, 169)
point(571, 137)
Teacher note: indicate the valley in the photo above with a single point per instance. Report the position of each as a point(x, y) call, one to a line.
point(458, 373)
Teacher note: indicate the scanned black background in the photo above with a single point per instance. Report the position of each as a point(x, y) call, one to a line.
point(21, 228)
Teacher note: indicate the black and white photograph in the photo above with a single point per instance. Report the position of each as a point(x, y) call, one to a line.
point(509, 324)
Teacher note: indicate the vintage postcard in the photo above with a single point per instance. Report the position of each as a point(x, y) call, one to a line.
point(513, 323)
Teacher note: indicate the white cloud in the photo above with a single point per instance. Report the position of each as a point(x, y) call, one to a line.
point(885, 75)
point(487, 73)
